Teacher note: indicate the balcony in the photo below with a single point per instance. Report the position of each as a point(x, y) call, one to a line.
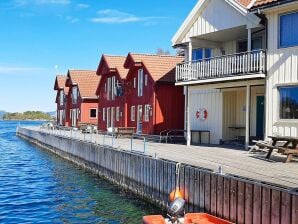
point(246, 65)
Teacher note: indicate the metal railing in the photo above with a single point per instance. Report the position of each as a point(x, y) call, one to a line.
point(238, 64)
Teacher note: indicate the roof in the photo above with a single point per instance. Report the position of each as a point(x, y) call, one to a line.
point(160, 67)
point(115, 62)
point(245, 3)
point(86, 80)
point(259, 3)
point(60, 83)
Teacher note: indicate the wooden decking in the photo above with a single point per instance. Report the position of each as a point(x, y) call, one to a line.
point(233, 161)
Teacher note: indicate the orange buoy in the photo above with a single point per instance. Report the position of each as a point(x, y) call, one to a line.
point(176, 193)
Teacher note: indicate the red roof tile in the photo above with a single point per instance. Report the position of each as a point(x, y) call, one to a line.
point(160, 67)
point(86, 80)
point(245, 3)
point(60, 83)
point(116, 62)
point(264, 2)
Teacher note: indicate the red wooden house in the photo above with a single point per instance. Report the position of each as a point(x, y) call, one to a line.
point(110, 92)
point(154, 103)
point(61, 100)
point(83, 102)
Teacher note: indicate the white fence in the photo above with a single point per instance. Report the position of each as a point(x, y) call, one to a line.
point(225, 66)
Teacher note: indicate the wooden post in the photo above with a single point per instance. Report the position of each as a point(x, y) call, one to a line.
point(247, 116)
point(188, 137)
point(249, 39)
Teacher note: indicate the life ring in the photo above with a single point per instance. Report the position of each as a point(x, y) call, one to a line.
point(202, 114)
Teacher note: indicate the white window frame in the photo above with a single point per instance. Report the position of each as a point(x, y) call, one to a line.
point(95, 113)
point(134, 82)
point(104, 114)
point(140, 82)
point(147, 112)
point(279, 26)
point(133, 113)
point(75, 94)
point(61, 97)
point(117, 113)
point(146, 80)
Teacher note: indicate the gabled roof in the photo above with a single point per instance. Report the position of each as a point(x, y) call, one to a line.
point(160, 67)
point(60, 83)
point(269, 3)
point(86, 81)
point(241, 6)
point(246, 3)
point(113, 63)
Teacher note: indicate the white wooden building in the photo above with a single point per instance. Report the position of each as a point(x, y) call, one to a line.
point(240, 73)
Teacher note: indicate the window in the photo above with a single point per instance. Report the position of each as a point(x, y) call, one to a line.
point(111, 81)
point(288, 32)
point(117, 113)
point(147, 111)
point(74, 94)
point(103, 114)
point(140, 82)
point(146, 80)
point(93, 113)
point(61, 98)
point(201, 53)
point(134, 83)
point(256, 44)
point(132, 113)
point(288, 102)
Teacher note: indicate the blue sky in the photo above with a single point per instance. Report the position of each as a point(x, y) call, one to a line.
point(42, 38)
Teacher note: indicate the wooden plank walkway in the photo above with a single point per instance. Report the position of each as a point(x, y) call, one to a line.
point(233, 162)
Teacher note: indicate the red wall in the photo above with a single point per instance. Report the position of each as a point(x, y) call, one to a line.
point(84, 106)
point(167, 103)
point(104, 103)
point(132, 99)
point(169, 107)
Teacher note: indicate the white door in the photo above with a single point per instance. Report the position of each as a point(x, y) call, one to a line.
point(140, 119)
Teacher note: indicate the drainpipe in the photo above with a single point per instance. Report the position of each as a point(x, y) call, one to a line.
point(188, 132)
point(247, 117)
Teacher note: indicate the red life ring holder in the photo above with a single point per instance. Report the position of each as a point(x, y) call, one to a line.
point(202, 114)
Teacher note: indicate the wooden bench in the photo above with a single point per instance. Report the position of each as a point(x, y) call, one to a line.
point(124, 131)
point(285, 150)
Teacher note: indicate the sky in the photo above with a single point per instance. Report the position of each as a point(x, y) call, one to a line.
point(42, 38)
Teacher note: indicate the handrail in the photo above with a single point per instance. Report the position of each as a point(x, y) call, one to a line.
point(250, 62)
point(223, 56)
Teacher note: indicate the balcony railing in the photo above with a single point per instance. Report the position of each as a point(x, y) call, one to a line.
point(239, 64)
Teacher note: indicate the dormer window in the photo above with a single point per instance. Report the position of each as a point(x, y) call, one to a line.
point(111, 88)
point(61, 98)
point(74, 94)
point(140, 82)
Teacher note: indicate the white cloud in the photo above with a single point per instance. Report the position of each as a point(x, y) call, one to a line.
point(72, 19)
point(112, 16)
point(19, 3)
point(19, 69)
point(83, 6)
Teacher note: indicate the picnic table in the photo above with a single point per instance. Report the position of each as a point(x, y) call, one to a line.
point(285, 145)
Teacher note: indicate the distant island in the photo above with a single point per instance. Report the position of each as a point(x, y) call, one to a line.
point(28, 115)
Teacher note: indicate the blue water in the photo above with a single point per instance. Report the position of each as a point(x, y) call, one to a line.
point(38, 187)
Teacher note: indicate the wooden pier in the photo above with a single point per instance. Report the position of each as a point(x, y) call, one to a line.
point(238, 199)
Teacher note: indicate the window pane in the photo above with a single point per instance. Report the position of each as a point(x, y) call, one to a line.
point(207, 53)
point(197, 54)
point(93, 113)
point(288, 102)
point(288, 30)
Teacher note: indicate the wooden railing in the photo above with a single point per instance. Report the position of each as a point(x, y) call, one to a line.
point(224, 66)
